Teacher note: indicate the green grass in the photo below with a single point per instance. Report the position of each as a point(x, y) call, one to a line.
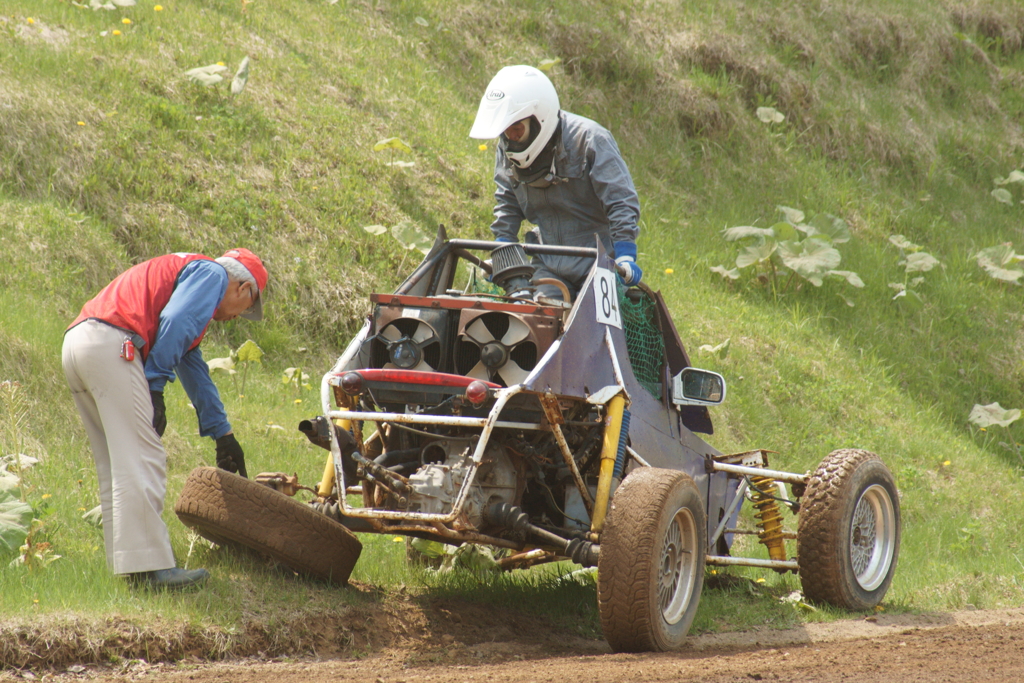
point(899, 115)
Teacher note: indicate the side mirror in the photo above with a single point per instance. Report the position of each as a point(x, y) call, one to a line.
point(694, 387)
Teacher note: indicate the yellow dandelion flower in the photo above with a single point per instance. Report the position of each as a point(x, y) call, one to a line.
point(116, 32)
point(31, 20)
point(81, 509)
point(298, 401)
point(947, 463)
point(158, 8)
point(81, 123)
point(482, 148)
point(669, 271)
point(221, 64)
point(760, 581)
point(397, 539)
point(47, 495)
point(126, 21)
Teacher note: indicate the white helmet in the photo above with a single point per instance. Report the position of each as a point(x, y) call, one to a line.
point(514, 94)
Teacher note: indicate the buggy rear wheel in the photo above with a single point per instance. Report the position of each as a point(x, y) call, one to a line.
point(651, 567)
point(848, 538)
point(229, 509)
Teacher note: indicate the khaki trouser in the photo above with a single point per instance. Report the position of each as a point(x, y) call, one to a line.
point(112, 396)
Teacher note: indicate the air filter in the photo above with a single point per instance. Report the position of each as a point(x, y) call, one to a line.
point(510, 269)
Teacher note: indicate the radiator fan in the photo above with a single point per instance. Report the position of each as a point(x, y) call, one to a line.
point(497, 347)
point(409, 344)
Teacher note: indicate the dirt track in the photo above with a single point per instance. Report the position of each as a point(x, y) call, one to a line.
point(967, 646)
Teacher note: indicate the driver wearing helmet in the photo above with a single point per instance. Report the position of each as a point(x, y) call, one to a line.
point(561, 172)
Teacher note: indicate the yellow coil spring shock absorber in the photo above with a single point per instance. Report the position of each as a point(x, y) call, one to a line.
point(763, 494)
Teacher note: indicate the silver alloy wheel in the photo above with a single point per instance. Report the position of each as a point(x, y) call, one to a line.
point(872, 537)
point(679, 562)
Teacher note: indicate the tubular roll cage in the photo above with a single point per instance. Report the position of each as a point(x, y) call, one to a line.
point(742, 465)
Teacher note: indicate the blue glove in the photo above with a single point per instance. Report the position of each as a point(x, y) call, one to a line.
point(625, 259)
point(504, 239)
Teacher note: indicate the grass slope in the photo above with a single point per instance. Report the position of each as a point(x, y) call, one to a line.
point(898, 118)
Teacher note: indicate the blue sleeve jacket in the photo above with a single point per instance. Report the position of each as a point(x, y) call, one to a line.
point(200, 289)
point(593, 195)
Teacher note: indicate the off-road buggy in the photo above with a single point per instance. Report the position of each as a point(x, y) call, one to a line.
point(552, 430)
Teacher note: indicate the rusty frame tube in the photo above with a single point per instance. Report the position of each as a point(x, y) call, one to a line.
point(488, 425)
point(777, 475)
point(448, 420)
point(726, 561)
point(554, 415)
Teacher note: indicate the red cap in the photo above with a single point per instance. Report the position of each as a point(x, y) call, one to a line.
point(256, 268)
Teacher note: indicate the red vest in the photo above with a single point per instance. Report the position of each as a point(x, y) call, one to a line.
point(134, 300)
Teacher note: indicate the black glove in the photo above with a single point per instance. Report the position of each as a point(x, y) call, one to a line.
point(230, 456)
point(159, 412)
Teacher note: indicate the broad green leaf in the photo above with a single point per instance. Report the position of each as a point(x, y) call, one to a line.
point(785, 231)
point(15, 515)
point(1014, 177)
point(402, 164)
point(721, 350)
point(427, 547)
point(249, 351)
point(17, 461)
point(993, 414)
point(809, 230)
point(421, 21)
point(392, 143)
point(792, 215)
point(94, 516)
point(476, 558)
point(770, 115)
point(901, 242)
point(1005, 274)
point(225, 365)
point(410, 236)
point(833, 226)
point(241, 78)
point(375, 229)
point(548, 64)
point(756, 254)
point(997, 261)
point(1003, 196)
point(96, 4)
point(124, 3)
point(809, 259)
point(205, 79)
point(851, 277)
point(728, 274)
point(909, 299)
point(742, 232)
point(207, 75)
point(920, 262)
point(294, 374)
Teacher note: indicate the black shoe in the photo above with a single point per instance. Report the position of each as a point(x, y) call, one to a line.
point(174, 578)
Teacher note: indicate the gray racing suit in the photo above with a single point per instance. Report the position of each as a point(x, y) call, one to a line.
point(590, 194)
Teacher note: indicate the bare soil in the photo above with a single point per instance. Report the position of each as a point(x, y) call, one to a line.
point(413, 641)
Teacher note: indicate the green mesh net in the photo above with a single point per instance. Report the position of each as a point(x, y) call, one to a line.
point(644, 343)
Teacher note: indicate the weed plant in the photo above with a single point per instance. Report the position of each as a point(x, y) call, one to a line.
point(899, 117)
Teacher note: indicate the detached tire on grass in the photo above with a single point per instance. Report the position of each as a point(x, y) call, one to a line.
point(848, 538)
point(651, 568)
point(222, 506)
